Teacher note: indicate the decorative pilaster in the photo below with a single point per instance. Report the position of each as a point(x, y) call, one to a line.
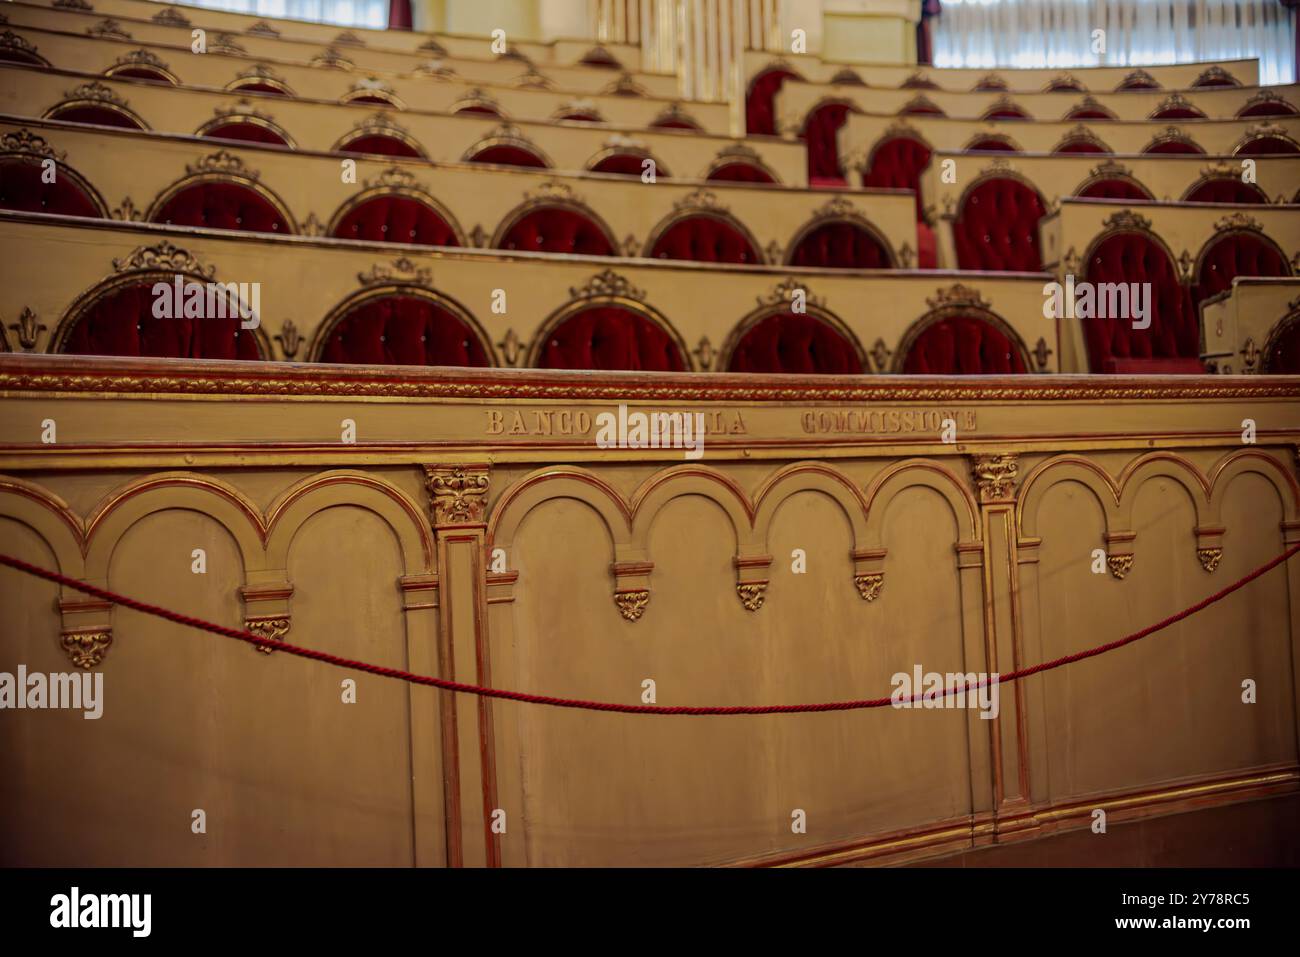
point(1119, 553)
point(632, 587)
point(1209, 547)
point(266, 606)
point(87, 632)
point(868, 572)
point(751, 579)
point(458, 496)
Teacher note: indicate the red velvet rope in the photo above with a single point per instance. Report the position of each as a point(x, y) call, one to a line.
point(445, 685)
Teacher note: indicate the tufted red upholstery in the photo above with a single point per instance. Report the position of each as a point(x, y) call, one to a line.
point(623, 164)
point(704, 239)
point(245, 132)
point(997, 227)
point(396, 219)
point(1115, 189)
point(760, 102)
point(144, 73)
point(552, 229)
point(819, 133)
point(1080, 146)
point(1267, 146)
point(97, 115)
point(991, 144)
point(1269, 108)
point(379, 145)
point(1284, 356)
point(222, 206)
point(403, 331)
point(1228, 189)
point(840, 245)
point(740, 173)
point(122, 324)
point(1172, 342)
point(794, 343)
point(509, 156)
point(21, 188)
point(611, 338)
point(963, 345)
point(259, 88)
point(898, 164)
point(1237, 254)
point(1174, 146)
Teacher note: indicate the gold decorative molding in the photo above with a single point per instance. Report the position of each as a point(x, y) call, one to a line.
point(226, 43)
point(163, 257)
point(990, 82)
point(95, 92)
point(512, 349)
point(110, 28)
point(127, 213)
point(631, 603)
point(263, 29)
point(25, 141)
point(532, 79)
point(699, 199)
point(995, 475)
point(1218, 74)
point(1041, 354)
point(331, 59)
point(880, 354)
point(752, 594)
point(224, 163)
point(87, 648)
point(457, 493)
point(1239, 220)
point(170, 17)
point(607, 283)
point(272, 629)
point(28, 329)
point(784, 291)
point(958, 294)
point(1139, 76)
point(400, 270)
point(674, 113)
point(625, 85)
point(1119, 565)
point(289, 338)
point(1126, 219)
point(348, 39)
point(869, 585)
point(81, 5)
point(705, 354)
point(1209, 557)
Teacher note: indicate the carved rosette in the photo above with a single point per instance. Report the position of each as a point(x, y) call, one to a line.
point(457, 493)
point(752, 594)
point(272, 629)
point(869, 585)
point(995, 476)
point(1119, 565)
point(87, 648)
point(1209, 557)
point(631, 604)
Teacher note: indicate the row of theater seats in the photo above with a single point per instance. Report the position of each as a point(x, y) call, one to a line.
point(999, 213)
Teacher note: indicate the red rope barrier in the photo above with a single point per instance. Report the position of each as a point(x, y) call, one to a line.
point(445, 685)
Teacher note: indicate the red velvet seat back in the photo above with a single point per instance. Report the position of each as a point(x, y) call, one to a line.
point(260, 88)
point(247, 133)
point(991, 145)
point(144, 73)
point(1237, 254)
point(1080, 146)
point(1284, 356)
point(1114, 189)
point(670, 123)
point(1007, 113)
point(97, 115)
point(1175, 146)
point(555, 230)
point(222, 206)
point(395, 219)
point(509, 156)
point(480, 109)
point(794, 343)
point(703, 239)
point(404, 331)
point(997, 228)
point(610, 338)
point(740, 173)
point(840, 245)
point(1228, 189)
point(1268, 108)
point(1178, 113)
point(1113, 344)
point(622, 164)
point(122, 324)
point(1268, 146)
point(963, 345)
point(21, 189)
point(898, 164)
point(380, 145)
point(1088, 113)
point(760, 102)
point(819, 133)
